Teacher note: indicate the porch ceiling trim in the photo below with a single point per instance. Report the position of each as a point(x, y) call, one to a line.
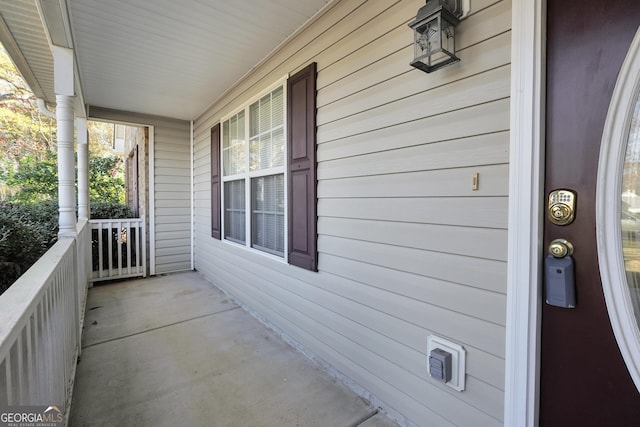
point(24, 38)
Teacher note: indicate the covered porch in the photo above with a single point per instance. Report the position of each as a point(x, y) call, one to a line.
point(174, 350)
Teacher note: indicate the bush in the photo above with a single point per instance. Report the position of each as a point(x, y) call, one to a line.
point(27, 231)
point(109, 210)
point(106, 210)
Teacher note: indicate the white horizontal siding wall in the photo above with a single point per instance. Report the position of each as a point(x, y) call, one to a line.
point(407, 248)
point(172, 196)
point(172, 190)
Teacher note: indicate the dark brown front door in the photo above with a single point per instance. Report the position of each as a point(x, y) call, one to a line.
point(584, 380)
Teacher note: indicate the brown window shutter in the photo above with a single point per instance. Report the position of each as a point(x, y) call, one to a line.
point(301, 166)
point(216, 203)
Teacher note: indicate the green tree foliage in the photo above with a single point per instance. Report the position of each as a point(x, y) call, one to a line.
point(24, 130)
point(34, 179)
point(100, 138)
point(28, 168)
point(37, 180)
point(106, 182)
point(29, 176)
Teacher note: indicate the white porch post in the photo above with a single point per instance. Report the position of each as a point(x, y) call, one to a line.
point(64, 88)
point(526, 189)
point(83, 168)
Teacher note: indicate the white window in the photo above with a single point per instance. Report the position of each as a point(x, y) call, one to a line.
point(253, 174)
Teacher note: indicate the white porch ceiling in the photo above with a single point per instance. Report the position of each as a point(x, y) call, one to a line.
point(170, 58)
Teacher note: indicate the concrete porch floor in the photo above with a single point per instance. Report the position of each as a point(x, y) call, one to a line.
point(174, 351)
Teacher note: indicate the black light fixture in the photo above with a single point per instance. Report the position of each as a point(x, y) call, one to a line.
point(434, 38)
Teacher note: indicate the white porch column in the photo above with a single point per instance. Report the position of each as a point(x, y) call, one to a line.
point(526, 195)
point(64, 88)
point(83, 168)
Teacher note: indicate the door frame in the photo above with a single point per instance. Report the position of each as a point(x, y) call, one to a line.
point(526, 193)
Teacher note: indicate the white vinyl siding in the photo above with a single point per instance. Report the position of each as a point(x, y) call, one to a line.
point(172, 196)
point(172, 187)
point(406, 247)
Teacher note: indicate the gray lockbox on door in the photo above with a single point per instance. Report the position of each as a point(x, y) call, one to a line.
point(560, 289)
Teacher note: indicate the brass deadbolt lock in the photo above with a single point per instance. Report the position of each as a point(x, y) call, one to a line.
point(561, 209)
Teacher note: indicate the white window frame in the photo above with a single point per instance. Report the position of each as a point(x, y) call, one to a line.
point(248, 175)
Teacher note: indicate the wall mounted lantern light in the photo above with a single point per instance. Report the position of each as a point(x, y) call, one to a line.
point(434, 38)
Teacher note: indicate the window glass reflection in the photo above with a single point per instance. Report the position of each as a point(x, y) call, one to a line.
point(630, 212)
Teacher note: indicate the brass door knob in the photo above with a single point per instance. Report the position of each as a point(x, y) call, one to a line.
point(560, 248)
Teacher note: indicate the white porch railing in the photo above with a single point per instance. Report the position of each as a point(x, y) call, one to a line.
point(41, 326)
point(119, 248)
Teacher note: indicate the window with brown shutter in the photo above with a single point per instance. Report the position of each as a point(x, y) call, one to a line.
point(252, 167)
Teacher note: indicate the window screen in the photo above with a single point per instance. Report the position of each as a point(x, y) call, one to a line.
point(233, 145)
point(234, 211)
point(267, 213)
